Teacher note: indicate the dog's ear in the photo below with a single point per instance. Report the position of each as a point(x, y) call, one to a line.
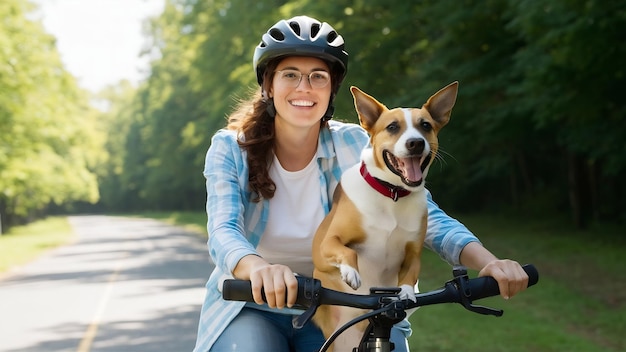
point(368, 108)
point(440, 104)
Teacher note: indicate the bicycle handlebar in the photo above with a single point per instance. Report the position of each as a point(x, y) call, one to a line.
point(459, 290)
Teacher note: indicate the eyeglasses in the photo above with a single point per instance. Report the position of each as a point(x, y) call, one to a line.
point(292, 78)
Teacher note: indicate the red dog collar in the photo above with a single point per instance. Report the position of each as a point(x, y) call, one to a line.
point(384, 188)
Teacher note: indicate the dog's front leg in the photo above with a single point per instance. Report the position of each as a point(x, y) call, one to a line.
point(338, 255)
point(410, 269)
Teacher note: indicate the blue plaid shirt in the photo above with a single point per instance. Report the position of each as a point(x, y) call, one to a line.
point(236, 223)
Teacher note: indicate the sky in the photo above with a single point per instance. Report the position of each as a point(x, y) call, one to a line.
point(99, 40)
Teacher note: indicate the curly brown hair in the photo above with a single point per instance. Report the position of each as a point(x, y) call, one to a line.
point(252, 120)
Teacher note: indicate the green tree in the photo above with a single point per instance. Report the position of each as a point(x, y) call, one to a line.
point(534, 126)
point(573, 72)
point(48, 146)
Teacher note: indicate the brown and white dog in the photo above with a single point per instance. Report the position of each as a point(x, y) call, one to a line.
point(374, 233)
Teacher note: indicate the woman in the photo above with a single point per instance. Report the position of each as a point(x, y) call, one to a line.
point(270, 179)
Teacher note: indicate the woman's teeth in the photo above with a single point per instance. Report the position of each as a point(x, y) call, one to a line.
point(301, 103)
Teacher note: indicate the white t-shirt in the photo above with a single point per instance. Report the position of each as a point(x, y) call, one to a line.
point(295, 213)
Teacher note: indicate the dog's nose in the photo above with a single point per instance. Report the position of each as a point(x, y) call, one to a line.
point(415, 145)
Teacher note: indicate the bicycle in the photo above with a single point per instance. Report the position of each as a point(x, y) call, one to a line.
point(386, 307)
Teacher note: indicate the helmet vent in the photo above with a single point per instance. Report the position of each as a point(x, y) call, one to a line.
point(332, 36)
point(295, 26)
point(315, 28)
point(277, 34)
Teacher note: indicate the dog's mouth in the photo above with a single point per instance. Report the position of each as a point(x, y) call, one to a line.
point(410, 169)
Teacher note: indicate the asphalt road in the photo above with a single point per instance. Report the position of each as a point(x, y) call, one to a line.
point(124, 285)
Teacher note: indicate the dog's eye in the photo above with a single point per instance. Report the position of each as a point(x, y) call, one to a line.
point(393, 127)
point(426, 126)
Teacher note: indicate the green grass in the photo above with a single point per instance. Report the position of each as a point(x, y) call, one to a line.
point(578, 304)
point(24, 243)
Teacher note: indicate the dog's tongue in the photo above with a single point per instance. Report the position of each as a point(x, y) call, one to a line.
point(411, 169)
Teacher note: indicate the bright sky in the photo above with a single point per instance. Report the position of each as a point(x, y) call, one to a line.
point(100, 40)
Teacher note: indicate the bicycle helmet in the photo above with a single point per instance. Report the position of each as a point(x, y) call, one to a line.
point(302, 36)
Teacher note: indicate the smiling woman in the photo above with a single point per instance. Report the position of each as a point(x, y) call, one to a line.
point(100, 41)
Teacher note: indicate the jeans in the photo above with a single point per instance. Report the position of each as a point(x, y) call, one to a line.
point(262, 331)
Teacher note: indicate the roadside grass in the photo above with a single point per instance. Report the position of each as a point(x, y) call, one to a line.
point(578, 304)
point(24, 243)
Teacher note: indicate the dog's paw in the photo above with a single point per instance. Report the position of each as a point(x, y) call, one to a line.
point(350, 276)
point(407, 292)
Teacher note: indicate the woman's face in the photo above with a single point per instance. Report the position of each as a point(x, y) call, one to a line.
point(299, 97)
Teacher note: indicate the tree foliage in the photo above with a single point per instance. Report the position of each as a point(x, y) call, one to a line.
point(48, 144)
point(538, 124)
point(534, 126)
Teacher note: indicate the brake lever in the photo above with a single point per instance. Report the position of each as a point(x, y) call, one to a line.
point(461, 279)
point(311, 292)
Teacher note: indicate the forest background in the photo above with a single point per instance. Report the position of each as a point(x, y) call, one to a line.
point(538, 128)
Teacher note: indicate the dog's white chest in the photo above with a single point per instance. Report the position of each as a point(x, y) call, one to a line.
point(388, 226)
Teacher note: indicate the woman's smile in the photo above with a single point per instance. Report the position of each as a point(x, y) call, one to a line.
point(301, 103)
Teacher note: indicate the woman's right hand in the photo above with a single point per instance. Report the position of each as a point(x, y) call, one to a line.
point(277, 281)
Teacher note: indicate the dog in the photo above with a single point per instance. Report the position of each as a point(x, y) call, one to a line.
point(374, 233)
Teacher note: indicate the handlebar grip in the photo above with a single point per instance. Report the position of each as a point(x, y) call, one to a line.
point(237, 290)
point(533, 274)
point(486, 286)
point(241, 290)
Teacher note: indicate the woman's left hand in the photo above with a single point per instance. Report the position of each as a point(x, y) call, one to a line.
point(509, 274)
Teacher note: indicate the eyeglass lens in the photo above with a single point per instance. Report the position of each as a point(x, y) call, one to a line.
point(317, 79)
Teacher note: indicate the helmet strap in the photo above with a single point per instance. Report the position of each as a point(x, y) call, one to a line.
point(330, 111)
point(269, 104)
point(270, 108)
